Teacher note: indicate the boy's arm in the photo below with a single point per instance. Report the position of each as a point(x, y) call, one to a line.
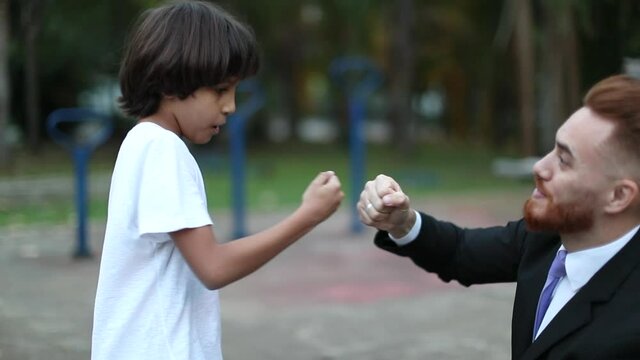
point(217, 265)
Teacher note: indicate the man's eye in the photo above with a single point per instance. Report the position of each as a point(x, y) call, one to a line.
point(221, 89)
point(562, 160)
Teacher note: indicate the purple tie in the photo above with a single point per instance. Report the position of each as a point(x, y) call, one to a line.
point(556, 272)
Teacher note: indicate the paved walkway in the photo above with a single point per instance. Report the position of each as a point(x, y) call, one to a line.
point(332, 295)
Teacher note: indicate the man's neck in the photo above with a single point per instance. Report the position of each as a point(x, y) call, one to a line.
point(600, 234)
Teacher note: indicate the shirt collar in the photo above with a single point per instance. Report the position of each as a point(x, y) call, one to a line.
point(582, 265)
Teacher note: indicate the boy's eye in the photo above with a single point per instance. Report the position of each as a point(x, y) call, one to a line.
point(221, 89)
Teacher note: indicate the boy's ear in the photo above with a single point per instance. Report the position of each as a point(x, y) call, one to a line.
point(625, 193)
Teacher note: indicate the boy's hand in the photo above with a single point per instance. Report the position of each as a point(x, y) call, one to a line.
point(384, 206)
point(322, 197)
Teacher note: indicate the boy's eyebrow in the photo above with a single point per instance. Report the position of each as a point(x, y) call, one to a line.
point(230, 80)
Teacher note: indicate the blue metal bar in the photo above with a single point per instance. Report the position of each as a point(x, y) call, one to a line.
point(238, 162)
point(81, 159)
point(357, 154)
point(237, 129)
point(357, 96)
point(80, 146)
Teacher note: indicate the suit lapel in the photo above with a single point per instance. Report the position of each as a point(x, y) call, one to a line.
point(528, 291)
point(599, 290)
point(572, 317)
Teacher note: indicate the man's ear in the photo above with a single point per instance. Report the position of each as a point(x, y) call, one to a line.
point(624, 193)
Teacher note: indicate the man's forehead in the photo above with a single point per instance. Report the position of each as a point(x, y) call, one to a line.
point(584, 132)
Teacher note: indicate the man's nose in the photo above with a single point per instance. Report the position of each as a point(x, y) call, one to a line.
point(541, 169)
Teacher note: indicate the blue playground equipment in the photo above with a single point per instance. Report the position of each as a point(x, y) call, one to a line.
point(81, 131)
point(359, 77)
point(237, 123)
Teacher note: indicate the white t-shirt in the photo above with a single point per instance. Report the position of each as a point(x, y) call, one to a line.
point(149, 304)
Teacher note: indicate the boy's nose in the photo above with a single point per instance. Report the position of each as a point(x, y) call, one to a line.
point(229, 107)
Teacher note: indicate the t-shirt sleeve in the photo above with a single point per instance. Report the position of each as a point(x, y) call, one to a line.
point(171, 190)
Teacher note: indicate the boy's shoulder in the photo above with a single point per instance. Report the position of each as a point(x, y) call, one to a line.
point(147, 139)
point(147, 128)
point(151, 132)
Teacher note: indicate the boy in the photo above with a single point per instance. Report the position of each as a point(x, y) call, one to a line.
point(161, 263)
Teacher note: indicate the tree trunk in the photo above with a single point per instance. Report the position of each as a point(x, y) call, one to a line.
point(31, 26)
point(526, 71)
point(551, 94)
point(560, 87)
point(5, 156)
point(288, 68)
point(572, 63)
point(401, 63)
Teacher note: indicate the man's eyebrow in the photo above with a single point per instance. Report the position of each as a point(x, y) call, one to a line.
point(564, 148)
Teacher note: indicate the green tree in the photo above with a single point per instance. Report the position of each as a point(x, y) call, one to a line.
point(60, 49)
point(280, 35)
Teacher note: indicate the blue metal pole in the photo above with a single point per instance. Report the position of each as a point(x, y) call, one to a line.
point(238, 161)
point(238, 123)
point(81, 151)
point(357, 157)
point(81, 157)
point(357, 95)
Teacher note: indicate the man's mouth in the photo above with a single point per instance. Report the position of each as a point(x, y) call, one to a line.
point(538, 194)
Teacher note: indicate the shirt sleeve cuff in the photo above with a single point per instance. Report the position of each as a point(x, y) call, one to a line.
point(412, 234)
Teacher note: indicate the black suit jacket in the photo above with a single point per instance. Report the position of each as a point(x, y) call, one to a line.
point(602, 321)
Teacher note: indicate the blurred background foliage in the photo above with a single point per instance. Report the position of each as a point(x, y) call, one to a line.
point(497, 75)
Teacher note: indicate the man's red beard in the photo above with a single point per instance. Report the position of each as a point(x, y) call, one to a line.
point(560, 218)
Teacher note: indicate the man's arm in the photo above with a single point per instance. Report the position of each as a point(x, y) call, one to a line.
point(470, 256)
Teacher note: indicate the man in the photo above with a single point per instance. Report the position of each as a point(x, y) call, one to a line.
point(580, 227)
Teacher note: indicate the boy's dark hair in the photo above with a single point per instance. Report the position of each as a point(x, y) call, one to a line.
point(177, 48)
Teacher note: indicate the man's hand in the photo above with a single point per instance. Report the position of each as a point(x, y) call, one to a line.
point(384, 206)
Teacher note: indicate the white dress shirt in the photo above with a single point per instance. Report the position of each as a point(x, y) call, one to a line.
point(580, 267)
point(412, 234)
